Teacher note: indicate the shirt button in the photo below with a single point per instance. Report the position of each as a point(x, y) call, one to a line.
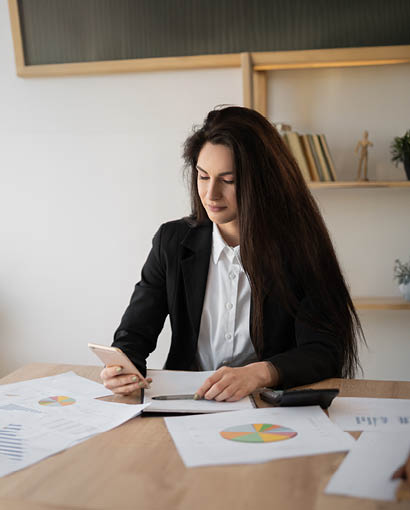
point(232, 275)
point(228, 336)
point(229, 306)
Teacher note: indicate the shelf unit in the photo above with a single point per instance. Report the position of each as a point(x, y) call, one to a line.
point(254, 75)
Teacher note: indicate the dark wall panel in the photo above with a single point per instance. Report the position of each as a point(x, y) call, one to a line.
point(62, 31)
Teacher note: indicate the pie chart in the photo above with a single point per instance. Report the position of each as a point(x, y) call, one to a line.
point(57, 401)
point(258, 433)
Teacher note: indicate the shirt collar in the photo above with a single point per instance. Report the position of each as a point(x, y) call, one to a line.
point(219, 246)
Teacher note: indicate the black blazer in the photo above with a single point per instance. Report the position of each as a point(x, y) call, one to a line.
point(173, 281)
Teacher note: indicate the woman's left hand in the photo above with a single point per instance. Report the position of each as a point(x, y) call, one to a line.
point(231, 384)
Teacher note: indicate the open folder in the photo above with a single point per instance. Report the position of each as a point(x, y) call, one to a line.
point(178, 382)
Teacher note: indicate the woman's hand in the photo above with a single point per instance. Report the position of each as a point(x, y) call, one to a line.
point(403, 471)
point(122, 384)
point(231, 384)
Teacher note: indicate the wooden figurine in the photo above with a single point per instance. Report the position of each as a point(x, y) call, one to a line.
point(363, 145)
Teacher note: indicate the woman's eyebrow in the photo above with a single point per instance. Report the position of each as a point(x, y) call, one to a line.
point(219, 175)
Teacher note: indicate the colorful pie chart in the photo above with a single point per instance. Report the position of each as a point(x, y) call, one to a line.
point(258, 433)
point(57, 401)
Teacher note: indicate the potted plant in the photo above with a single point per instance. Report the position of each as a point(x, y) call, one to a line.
point(402, 274)
point(400, 151)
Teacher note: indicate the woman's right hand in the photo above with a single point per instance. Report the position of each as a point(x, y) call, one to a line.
point(122, 384)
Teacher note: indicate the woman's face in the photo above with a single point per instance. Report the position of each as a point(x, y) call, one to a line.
point(216, 184)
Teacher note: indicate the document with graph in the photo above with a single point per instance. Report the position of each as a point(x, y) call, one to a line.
point(41, 417)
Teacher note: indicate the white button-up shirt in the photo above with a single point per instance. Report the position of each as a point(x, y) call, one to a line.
point(224, 337)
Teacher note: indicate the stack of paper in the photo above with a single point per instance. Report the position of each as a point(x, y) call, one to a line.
point(41, 417)
point(170, 382)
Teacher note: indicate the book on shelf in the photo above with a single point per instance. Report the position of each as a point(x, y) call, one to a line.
point(321, 158)
point(314, 174)
point(318, 167)
point(328, 157)
point(295, 147)
point(312, 155)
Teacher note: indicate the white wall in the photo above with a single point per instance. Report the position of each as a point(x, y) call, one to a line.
point(89, 168)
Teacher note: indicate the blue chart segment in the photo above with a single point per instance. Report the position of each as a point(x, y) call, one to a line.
point(11, 444)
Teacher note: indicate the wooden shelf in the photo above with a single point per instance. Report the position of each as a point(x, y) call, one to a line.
point(381, 303)
point(360, 184)
point(335, 57)
point(254, 76)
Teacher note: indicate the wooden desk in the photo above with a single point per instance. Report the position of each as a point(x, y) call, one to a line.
point(136, 466)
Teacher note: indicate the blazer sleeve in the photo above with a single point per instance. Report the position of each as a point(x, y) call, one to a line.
point(317, 355)
point(144, 317)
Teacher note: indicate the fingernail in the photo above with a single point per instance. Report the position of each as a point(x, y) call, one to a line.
point(134, 378)
point(118, 369)
point(141, 384)
point(197, 397)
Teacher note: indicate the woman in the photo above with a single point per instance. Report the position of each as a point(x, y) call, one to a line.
point(250, 280)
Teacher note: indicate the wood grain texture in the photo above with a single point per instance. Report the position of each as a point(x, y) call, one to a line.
point(131, 66)
point(381, 303)
point(260, 96)
point(16, 34)
point(137, 466)
point(247, 80)
point(336, 57)
point(357, 184)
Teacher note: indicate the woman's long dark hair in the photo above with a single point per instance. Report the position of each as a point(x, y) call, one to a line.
point(285, 245)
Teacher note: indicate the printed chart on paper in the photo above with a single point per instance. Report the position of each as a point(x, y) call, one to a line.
point(258, 433)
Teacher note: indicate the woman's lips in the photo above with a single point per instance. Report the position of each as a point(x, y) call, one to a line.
point(213, 208)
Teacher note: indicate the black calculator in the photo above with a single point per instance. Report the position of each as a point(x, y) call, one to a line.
point(322, 398)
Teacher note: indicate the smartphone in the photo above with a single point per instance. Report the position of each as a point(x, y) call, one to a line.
point(112, 356)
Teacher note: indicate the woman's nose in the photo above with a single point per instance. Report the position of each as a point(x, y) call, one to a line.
point(214, 191)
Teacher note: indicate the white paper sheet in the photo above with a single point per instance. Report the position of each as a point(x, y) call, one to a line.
point(199, 441)
point(178, 382)
point(41, 417)
point(366, 471)
point(26, 437)
point(65, 382)
point(353, 413)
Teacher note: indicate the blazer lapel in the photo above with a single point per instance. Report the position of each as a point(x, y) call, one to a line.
point(196, 253)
